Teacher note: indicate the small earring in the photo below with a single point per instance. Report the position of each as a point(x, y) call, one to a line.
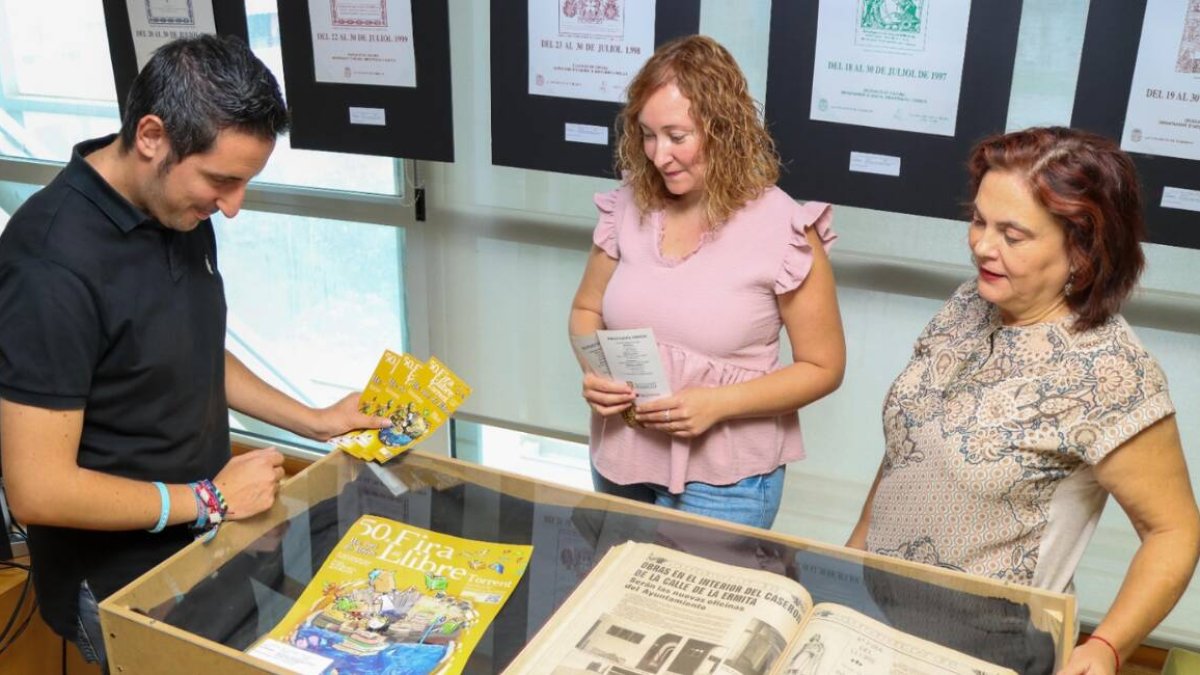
point(1067, 287)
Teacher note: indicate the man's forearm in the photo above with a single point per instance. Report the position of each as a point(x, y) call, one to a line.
point(46, 485)
point(90, 500)
point(249, 394)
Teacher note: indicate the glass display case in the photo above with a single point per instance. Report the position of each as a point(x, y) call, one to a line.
point(206, 605)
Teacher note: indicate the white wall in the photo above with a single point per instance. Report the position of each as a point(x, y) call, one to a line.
point(493, 272)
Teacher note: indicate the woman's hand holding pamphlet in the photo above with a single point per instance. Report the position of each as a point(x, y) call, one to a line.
point(628, 356)
point(418, 397)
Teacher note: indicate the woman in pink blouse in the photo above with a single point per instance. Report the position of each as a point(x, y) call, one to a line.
point(1029, 400)
point(699, 245)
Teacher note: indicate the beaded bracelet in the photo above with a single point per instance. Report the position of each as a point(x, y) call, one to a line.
point(214, 509)
point(201, 509)
point(1116, 654)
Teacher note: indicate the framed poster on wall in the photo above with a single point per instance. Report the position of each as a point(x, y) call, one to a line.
point(369, 77)
point(559, 72)
point(137, 27)
point(1139, 82)
point(876, 104)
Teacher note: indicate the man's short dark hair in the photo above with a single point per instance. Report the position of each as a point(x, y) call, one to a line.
point(201, 86)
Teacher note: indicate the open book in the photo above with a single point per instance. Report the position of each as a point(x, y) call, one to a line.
point(648, 609)
point(395, 598)
point(418, 397)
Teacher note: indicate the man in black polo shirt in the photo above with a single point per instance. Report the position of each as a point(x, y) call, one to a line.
point(114, 381)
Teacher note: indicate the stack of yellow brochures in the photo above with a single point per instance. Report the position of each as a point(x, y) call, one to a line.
point(417, 397)
point(393, 598)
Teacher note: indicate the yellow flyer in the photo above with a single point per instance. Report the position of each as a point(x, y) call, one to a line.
point(417, 397)
point(412, 418)
point(395, 598)
point(431, 394)
point(378, 398)
point(438, 383)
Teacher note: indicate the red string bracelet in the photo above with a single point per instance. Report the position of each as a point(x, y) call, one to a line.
point(1116, 655)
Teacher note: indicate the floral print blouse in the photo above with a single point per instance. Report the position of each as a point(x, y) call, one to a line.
point(992, 432)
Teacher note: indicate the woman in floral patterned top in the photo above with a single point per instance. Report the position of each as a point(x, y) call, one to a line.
point(1028, 399)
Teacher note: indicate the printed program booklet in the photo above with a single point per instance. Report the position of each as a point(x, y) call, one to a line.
point(648, 609)
point(628, 356)
point(394, 598)
point(418, 397)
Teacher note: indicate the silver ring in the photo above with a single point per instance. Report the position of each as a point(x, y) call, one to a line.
point(667, 416)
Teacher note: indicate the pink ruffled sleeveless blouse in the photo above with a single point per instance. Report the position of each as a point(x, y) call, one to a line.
point(716, 318)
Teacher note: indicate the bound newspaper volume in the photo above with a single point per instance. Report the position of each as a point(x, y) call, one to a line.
point(646, 609)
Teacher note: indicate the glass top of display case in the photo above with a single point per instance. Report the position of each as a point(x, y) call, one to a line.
point(216, 599)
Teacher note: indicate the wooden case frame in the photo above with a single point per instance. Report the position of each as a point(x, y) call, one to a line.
point(138, 643)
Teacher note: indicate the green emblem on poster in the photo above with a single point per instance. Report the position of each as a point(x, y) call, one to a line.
point(900, 16)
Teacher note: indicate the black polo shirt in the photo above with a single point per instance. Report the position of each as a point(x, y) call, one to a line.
point(104, 309)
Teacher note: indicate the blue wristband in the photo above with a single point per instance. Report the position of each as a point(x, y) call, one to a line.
point(164, 500)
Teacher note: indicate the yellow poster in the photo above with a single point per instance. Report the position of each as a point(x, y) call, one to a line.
point(395, 598)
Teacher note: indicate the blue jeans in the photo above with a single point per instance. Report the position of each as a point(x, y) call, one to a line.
point(89, 637)
point(751, 501)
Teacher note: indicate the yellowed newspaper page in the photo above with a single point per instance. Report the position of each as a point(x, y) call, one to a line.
point(649, 609)
point(837, 640)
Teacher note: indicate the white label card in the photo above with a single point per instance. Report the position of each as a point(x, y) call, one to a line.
point(296, 660)
point(585, 133)
point(1181, 198)
point(866, 162)
point(376, 117)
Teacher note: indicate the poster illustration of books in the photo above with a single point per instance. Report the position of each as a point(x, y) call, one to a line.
point(395, 598)
point(417, 397)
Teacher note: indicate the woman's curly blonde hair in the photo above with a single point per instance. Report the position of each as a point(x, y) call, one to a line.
point(739, 154)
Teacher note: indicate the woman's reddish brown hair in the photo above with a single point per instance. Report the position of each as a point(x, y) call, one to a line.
point(1091, 188)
